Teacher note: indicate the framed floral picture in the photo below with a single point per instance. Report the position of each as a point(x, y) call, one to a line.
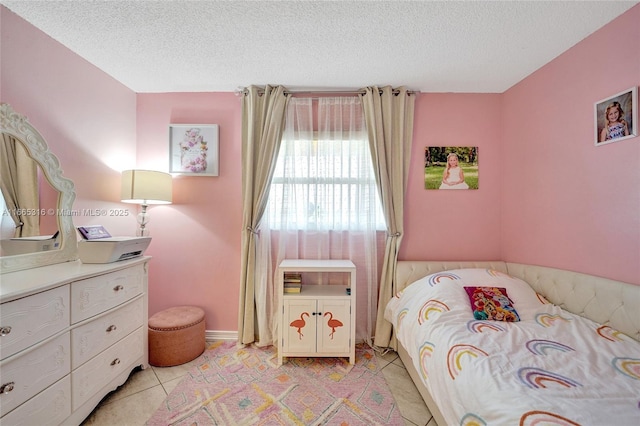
point(193, 149)
point(616, 117)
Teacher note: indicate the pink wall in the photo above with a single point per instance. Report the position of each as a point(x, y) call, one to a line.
point(454, 225)
point(547, 195)
point(87, 118)
point(196, 240)
point(565, 202)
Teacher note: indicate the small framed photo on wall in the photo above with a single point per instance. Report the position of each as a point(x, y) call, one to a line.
point(616, 117)
point(451, 167)
point(193, 149)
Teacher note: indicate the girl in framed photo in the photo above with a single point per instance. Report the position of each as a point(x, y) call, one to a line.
point(615, 124)
point(453, 176)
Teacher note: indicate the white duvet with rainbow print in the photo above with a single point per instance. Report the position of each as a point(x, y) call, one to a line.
point(550, 368)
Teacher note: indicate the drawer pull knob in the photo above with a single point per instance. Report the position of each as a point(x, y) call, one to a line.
point(7, 387)
point(111, 328)
point(118, 288)
point(4, 331)
point(115, 361)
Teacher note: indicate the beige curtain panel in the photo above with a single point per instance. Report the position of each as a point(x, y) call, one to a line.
point(263, 112)
point(389, 119)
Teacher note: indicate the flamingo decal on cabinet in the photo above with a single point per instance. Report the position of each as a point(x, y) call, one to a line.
point(333, 323)
point(299, 324)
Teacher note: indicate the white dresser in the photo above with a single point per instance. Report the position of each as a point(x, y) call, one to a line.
point(70, 333)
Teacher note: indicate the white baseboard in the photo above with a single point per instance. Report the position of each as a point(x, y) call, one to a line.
point(220, 335)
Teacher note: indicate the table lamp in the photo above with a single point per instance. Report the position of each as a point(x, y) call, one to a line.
point(145, 187)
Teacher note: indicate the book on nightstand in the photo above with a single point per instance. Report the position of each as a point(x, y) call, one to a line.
point(292, 282)
point(292, 287)
point(292, 277)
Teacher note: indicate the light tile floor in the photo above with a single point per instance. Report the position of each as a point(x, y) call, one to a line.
point(135, 401)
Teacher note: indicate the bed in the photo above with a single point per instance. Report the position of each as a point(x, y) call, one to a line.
point(572, 357)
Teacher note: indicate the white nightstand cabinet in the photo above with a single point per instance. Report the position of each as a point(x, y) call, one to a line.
point(320, 320)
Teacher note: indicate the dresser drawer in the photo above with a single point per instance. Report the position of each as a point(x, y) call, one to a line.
point(97, 372)
point(93, 337)
point(30, 373)
point(50, 407)
point(32, 319)
point(95, 295)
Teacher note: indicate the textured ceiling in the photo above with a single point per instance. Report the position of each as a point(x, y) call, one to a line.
point(446, 46)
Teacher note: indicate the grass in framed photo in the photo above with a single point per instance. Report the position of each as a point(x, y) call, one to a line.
point(193, 149)
point(451, 167)
point(616, 117)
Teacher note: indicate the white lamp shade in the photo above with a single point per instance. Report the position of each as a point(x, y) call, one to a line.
point(146, 187)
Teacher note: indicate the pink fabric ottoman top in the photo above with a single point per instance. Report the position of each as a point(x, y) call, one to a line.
point(176, 318)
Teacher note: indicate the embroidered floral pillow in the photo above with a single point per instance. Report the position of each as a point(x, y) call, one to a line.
point(491, 303)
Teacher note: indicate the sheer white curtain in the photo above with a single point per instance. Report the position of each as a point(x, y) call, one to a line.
point(323, 202)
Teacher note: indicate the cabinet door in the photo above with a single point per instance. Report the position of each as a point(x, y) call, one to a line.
point(334, 325)
point(299, 326)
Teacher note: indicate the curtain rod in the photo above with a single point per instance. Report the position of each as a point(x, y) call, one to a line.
point(243, 91)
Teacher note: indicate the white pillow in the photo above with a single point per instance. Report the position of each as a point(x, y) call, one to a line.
point(524, 298)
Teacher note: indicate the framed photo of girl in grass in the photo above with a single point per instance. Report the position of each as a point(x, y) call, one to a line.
point(451, 167)
point(616, 117)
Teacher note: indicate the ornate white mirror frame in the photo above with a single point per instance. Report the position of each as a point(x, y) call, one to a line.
point(19, 127)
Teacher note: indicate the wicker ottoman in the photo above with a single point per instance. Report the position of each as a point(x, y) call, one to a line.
point(176, 336)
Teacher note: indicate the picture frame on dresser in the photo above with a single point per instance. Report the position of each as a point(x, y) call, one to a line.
point(194, 149)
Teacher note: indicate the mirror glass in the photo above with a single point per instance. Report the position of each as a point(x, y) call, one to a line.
point(37, 226)
point(34, 206)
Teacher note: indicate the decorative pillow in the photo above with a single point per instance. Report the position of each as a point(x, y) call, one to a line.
point(491, 303)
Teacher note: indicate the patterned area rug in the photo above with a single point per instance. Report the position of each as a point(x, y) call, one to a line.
point(243, 386)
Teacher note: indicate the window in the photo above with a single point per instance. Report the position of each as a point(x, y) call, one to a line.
point(324, 180)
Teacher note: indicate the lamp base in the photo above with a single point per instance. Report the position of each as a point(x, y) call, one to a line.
point(143, 219)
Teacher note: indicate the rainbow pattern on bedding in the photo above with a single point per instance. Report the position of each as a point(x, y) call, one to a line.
point(471, 419)
point(426, 350)
point(403, 313)
point(430, 306)
point(542, 299)
point(538, 378)
point(547, 320)
point(628, 366)
point(610, 334)
point(543, 346)
point(537, 418)
point(456, 355)
point(479, 326)
point(551, 368)
point(437, 278)
point(495, 273)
